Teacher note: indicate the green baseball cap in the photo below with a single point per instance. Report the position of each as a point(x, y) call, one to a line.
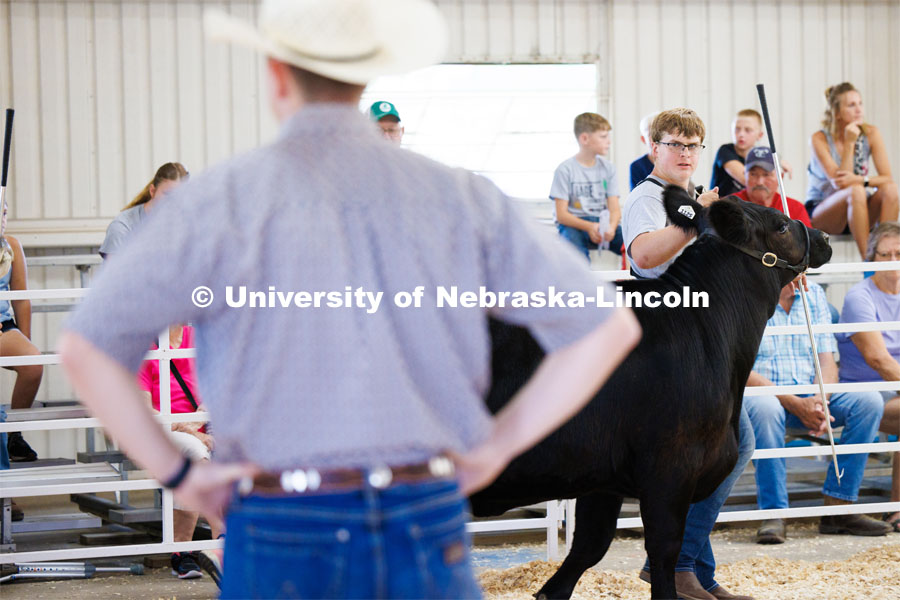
point(382, 109)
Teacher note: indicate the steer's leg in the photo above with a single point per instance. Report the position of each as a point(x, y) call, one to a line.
point(664, 516)
point(595, 526)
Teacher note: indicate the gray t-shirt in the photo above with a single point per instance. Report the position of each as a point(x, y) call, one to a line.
point(121, 227)
point(644, 212)
point(331, 207)
point(585, 188)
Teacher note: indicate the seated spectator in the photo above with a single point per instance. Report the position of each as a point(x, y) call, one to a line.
point(387, 118)
point(643, 166)
point(586, 190)
point(166, 179)
point(843, 196)
point(728, 166)
point(788, 360)
point(191, 437)
point(15, 340)
point(875, 355)
point(761, 184)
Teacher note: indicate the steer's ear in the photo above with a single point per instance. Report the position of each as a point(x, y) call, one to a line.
point(727, 218)
point(683, 211)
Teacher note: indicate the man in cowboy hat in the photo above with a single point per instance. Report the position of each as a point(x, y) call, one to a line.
point(354, 433)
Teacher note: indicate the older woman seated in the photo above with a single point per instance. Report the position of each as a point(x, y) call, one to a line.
point(873, 355)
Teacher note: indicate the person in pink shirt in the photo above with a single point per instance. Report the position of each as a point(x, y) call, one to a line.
point(193, 439)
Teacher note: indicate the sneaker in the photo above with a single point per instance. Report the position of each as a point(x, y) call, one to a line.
point(853, 525)
point(211, 561)
point(19, 450)
point(771, 531)
point(184, 565)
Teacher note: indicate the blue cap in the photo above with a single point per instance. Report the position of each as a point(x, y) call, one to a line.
point(760, 156)
point(382, 109)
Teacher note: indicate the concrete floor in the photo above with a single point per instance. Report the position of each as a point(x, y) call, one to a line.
point(625, 554)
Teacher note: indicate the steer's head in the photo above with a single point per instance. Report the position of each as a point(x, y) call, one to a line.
point(762, 233)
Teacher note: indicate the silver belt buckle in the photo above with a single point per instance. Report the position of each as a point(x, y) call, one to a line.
point(300, 480)
point(441, 467)
point(380, 477)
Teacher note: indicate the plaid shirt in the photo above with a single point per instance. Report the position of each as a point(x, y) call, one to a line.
point(787, 359)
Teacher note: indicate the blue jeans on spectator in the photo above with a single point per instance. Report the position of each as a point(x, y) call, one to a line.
point(858, 412)
point(696, 550)
point(4, 453)
point(581, 240)
point(407, 541)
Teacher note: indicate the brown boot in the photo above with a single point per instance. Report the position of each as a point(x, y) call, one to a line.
point(853, 525)
point(771, 532)
point(686, 585)
point(722, 594)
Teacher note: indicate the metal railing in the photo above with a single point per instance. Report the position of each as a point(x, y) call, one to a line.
point(556, 512)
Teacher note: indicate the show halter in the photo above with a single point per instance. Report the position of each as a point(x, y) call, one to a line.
point(761, 90)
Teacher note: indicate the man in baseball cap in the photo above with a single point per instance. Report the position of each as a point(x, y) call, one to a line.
point(761, 183)
point(387, 118)
point(355, 428)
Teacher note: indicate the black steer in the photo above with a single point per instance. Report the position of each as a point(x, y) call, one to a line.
point(664, 429)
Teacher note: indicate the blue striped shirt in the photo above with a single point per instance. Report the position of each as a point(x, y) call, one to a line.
point(787, 359)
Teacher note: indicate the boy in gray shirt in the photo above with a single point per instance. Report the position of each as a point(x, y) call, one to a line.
point(585, 190)
point(652, 244)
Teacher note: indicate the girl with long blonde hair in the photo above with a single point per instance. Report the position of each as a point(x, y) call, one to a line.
point(843, 195)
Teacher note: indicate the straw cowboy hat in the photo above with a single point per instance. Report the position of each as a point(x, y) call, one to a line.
point(347, 40)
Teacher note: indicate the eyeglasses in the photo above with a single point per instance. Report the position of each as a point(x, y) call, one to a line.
point(693, 149)
point(892, 254)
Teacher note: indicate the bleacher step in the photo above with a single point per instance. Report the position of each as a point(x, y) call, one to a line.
point(112, 538)
point(110, 456)
point(128, 516)
point(42, 462)
point(44, 413)
point(55, 522)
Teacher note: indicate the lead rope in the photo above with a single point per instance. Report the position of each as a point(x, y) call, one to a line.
point(761, 90)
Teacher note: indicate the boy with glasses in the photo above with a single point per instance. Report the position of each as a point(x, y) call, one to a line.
point(652, 244)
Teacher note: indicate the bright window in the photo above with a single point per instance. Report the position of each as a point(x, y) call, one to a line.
point(511, 123)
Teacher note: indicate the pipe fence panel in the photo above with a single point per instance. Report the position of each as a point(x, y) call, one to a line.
point(557, 513)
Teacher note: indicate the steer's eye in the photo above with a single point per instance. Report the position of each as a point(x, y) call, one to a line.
point(784, 228)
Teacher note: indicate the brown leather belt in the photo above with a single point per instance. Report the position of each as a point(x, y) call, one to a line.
point(294, 482)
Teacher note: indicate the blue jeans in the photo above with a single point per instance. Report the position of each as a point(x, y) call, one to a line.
point(4, 453)
point(581, 240)
point(858, 412)
point(696, 550)
point(407, 541)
